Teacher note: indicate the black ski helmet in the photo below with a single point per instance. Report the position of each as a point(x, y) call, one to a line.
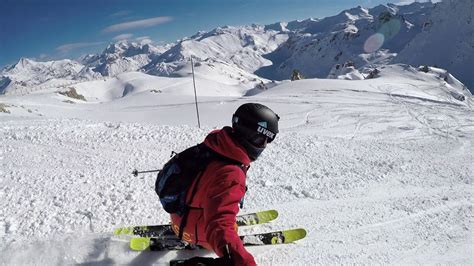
point(255, 125)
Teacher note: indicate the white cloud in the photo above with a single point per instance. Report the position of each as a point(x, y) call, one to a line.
point(144, 40)
point(137, 24)
point(122, 37)
point(120, 13)
point(42, 57)
point(65, 48)
point(407, 2)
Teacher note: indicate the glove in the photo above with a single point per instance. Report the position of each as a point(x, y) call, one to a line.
point(203, 261)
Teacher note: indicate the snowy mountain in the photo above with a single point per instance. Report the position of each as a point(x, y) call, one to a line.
point(122, 57)
point(115, 59)
point(243, 47)
point(353, 35)
point(446, 40)
point(366, 37)
point(29, 73)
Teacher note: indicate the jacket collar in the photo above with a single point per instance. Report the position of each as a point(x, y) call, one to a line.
point(223, 142)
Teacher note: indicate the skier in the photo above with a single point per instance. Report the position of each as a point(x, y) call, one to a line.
point(215, 196)
point(296, 75)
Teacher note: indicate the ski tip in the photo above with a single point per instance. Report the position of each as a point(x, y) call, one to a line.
point(268, 215)
point(123, 231)
point(140, 243)
point(294, 234)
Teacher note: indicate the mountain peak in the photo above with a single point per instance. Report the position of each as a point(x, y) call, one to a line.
point(24, 62)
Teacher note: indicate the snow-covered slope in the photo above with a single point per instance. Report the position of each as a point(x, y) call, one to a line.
point(378, 171)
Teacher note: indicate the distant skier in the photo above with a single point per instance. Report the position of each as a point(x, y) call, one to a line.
point(296, 75)
point(261, 86)
point(216, 194)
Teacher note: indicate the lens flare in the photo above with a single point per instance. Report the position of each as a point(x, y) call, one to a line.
point(374, 42)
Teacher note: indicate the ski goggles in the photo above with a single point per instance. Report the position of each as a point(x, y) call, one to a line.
point(260, 140)
point(255, 133)
point(261, 136)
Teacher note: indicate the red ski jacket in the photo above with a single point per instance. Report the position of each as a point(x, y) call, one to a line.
point(212, 218)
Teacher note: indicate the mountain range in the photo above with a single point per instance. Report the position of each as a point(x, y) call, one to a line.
point(440, 35)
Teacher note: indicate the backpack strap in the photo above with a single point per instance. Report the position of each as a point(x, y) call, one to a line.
point(184, 220)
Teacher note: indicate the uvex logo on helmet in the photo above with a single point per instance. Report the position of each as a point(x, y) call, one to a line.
point(266, 132)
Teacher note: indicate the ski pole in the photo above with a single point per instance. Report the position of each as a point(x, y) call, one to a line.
point(136, 172)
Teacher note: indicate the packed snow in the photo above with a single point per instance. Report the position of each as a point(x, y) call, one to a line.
point(378, 171)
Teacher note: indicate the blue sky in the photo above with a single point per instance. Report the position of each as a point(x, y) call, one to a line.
point(54, 29)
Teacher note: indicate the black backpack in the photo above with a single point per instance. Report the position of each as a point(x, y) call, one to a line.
point(176, 177)
point(178, 174)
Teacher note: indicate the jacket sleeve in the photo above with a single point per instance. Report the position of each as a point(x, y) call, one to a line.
point(220, 210)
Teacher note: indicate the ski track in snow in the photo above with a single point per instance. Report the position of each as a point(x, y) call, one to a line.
point(375, 178)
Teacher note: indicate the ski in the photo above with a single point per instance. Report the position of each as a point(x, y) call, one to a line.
point(272, 238)
point(165, 230)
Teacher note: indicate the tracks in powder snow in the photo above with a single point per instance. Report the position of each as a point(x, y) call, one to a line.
point(414, 217)
point(426, 112)
point(398, 219)
point(366, 196)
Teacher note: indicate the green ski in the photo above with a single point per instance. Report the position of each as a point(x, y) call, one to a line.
point(165, 230)
point(272, 238)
